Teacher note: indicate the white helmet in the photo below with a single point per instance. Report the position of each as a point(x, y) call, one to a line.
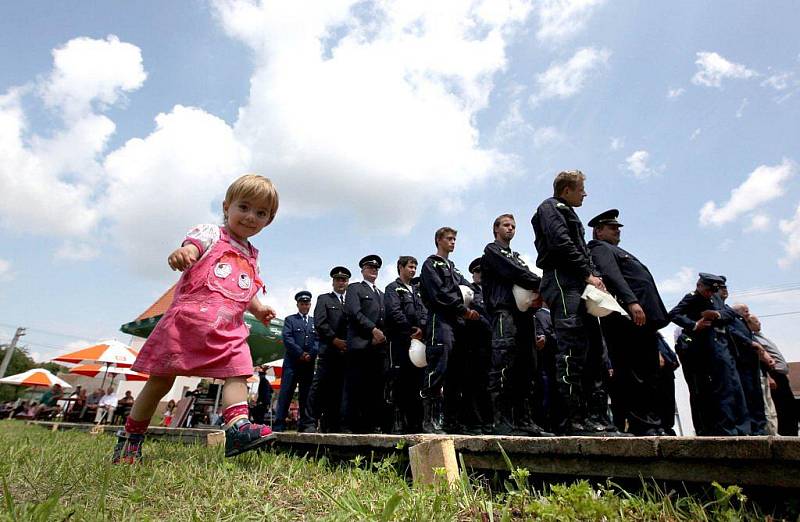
point(416, 352)
point(523, 297)
point(467, 294)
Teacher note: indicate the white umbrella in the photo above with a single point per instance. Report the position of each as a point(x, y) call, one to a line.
point(35, 377)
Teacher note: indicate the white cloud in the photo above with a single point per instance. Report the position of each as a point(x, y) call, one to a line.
point(513, 124)
point(758, 223)
point(680, 283)
point(742, 106)
point(713, 68)
point(791, 243)
point(35, 197)
point(544, 136)
point(764, 184)
point(346, 111)
point(563, 80)
point(636, 163)
point(166, 183)
point(73, 251)
point(50, 183)
point(779, 81)
point(5, 270)
point(695, 134)
point(675, 93)
point(617, 143)
point(86, 70)
point(562, 19)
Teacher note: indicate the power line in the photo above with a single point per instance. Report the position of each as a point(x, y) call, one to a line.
point(58, 334)
point(779, 314)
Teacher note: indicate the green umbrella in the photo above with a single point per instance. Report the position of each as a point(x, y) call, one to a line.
point(266, 342)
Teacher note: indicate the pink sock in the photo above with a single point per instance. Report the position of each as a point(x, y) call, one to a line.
point(136, 427)
point(235, 410)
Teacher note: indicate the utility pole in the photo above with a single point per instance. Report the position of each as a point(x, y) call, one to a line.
point(10, 351)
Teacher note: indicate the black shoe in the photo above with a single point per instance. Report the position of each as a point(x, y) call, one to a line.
point(308, 429)
point(471, 430)
point(578, 429)
point(534, 430)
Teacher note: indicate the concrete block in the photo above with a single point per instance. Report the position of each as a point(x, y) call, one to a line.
point(785, 448)
point(428, 458)
point(715, 448)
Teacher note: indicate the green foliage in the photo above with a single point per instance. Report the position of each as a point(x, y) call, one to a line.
point(67, 475)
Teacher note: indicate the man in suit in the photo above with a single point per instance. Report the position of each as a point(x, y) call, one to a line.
point(405, 320)
point(716, 393)
point(632, 343)
point(325, 397)
point(300, 342)
point(363, 406)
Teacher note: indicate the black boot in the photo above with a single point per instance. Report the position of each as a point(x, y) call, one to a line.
point(526, 424)
point(430, 416)
point(502, 417)
point(598, 420)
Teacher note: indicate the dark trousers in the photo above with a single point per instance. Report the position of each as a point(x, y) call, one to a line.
point(725, 407)
point(299, 376)
point(634, 356)
point(403, 384)
point(665, 399)
point(750, 377)
point(562, 292)
point(325, 396)
point(440, 341)
point(690, 365)
point(513, 368)
point(363, 402)
point(785, 405)
point(477, 407)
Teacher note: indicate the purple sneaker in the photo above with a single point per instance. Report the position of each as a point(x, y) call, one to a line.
point(129, 448)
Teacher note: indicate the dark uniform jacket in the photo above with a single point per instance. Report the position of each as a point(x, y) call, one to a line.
point(365, 311)
point(501, 269)
point(629, 281)
point(404, 309)
point(299, 337)
point(330, 321)
point(560, 242)
point(739, 331)
point(439, 282)
point(689, 310)
point(479, 305)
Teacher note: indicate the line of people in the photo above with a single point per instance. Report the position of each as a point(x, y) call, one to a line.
point(512, 353)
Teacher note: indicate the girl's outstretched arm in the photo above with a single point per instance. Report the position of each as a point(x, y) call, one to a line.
point(184, 257)
point(263, 313)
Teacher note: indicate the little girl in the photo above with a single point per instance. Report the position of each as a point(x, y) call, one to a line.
point(203, 334)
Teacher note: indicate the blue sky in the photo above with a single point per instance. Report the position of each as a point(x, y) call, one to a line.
point(122, 124)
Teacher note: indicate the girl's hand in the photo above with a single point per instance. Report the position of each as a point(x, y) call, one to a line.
point(183, 258)
point(263, 313)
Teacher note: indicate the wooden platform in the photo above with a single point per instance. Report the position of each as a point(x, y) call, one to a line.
point(753, 461)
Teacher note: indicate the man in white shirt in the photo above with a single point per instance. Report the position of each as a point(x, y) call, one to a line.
point(106, 407)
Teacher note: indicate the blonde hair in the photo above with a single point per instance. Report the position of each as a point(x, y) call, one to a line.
point(568, 178)
point(256, 188)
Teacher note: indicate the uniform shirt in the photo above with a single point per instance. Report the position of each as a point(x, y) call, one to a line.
point(629, 280)
point(329, 320)
point(299, 337)
point(501, 269)
point(560, 242)
point(404, 309)
point(365, 310)
point(439, 282)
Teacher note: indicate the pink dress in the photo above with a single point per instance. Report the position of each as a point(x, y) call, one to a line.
point(203, 333)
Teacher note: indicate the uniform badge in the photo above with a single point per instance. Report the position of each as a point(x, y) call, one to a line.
point(222, 270)
point(244, 281)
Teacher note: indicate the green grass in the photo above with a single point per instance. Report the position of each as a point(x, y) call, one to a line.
point(67, 475)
